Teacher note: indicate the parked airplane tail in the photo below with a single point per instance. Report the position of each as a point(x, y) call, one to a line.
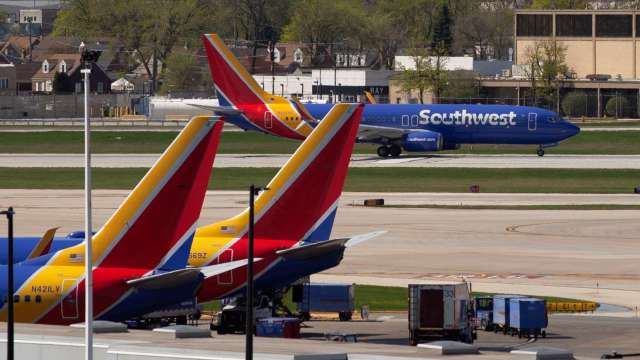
point(236, 88)
point(154, 226)
point(302, 199)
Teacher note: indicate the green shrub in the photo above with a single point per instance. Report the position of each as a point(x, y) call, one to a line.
point(577, 103)
point(618, 106)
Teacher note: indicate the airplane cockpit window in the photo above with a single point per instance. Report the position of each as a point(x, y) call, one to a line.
point(553, 119)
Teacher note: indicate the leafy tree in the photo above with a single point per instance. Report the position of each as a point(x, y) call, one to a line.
point(428, 73)
point(545, 66)
point(323, 24)
point(460, 84)
point(148, 29)
point(485, 29)
point(618, 107)
point(62, 83)
point(576, 103)
point(442, 30)
point(184, 73)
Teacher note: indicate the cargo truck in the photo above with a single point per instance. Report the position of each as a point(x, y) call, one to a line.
point(310, 297)
point(440, 312)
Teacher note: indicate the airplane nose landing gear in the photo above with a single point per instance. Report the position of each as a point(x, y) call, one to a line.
point(540, 151)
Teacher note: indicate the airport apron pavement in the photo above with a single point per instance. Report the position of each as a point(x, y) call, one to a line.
point(277, 160)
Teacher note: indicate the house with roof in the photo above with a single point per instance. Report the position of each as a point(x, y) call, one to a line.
point(70, 65)
point(7, 77)
point(17, 48)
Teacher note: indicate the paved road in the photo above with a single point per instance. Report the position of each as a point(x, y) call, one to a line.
point(582, 253)
point(276, 160)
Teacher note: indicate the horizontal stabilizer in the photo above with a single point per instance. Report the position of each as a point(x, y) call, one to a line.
point(324, 247)
point(218, 110)
point(213, 270)
point(355, 240)
point(44, 245)
point(165, 280)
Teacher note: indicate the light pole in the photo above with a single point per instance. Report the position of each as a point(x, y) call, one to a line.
point(253, 191)
point(88, 57)
point(9, 213)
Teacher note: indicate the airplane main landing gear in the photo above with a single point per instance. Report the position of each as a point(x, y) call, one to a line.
point(383, 151)
point(391, 150)
point(540, 151)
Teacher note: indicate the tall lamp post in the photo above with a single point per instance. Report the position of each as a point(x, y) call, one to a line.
point(88, 57)
point(253, 191)
point(10, 321)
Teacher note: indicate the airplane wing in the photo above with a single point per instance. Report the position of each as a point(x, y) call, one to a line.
point(43, 246)
point(175, 278)
point(373, 132)
point(165, 280)
point(219, 110)
point(323, 247)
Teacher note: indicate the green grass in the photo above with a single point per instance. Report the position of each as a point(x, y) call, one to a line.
point(518, 207)
point(359, 179)
point(234, 142)
point(384, 298)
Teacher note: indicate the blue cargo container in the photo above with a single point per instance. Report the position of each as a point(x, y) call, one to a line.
point(325, 298)
point(528, 316)
point(501, 311)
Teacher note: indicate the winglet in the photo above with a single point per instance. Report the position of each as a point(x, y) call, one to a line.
point(370, 98)
point(44, 245)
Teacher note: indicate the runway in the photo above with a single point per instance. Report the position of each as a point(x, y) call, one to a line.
point(590, 253)
point(276, 160)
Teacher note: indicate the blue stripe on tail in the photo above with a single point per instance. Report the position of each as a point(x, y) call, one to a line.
point(322, 232)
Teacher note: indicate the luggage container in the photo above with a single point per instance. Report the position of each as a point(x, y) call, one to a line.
point(278, 327)
point(319, 297)
point(440, 312)
point(483, 307)
point(528, 317)
point(501, 312)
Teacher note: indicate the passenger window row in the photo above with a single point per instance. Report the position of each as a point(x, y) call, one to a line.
point(26, 298)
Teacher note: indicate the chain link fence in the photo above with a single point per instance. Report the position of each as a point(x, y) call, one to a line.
point(573, 104)
point(62, 106)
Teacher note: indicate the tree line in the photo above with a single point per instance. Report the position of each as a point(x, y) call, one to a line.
point(154, 32)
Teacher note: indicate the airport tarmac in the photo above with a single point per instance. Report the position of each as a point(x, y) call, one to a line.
point(277, 160)
point(589, 254)
point(385, 337)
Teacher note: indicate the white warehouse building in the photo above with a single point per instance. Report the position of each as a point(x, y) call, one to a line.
point(327, 84)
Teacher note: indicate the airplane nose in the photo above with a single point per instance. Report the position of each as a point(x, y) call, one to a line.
point(573, 130)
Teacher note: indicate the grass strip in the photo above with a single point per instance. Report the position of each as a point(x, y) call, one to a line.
point(236, 142)
point(588, 181)
point(386, 298)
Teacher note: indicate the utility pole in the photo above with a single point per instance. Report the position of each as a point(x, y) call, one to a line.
point(10, 320)
point(30, 19)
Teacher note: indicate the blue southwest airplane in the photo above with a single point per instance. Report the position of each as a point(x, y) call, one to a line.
point(140, 255)
point(292, 224)
point(414, 128)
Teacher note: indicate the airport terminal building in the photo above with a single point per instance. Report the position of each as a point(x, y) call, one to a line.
point(602, 54)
